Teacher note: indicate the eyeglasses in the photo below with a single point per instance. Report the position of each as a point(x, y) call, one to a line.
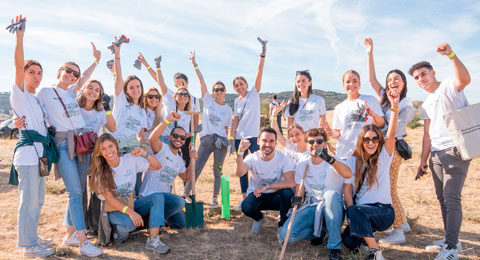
point(70, 71)
point(219, 89)
point(374, 140)
point(183, 94)
point(319, 141)
point(176, 136)
point(303, 72)
point(149, 96)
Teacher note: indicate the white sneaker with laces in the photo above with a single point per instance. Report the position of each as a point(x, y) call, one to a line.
point(257, 226)
point(72, 241)
point(238, 207)
point(90, 250)
point(396, 237)
point(447, 254)
point(437, 245)
point(38, 251)
point(157, 245)
point(214, 203)
point(46, 242)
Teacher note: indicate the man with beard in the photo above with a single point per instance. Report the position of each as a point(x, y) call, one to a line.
point(160, 181)
point(271, 181)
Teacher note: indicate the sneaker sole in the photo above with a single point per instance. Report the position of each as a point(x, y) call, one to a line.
point(71, 244)
point(92, 255)
point(47, 244)
point(393, 242)
point(158, 251)
point(39, 255)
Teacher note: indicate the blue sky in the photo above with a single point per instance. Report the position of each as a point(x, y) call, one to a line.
point(325, 37)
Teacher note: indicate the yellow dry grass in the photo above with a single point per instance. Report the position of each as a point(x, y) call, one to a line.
point(231, 239)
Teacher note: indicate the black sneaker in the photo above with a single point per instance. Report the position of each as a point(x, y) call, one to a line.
point(316, 241)
point(335, 254)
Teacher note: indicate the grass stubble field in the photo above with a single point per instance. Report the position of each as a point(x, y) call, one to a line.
point(231, 239)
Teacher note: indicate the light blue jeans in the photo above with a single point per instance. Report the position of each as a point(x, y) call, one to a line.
point(74, 177)
point(31, 188)
point(159, 206)
point(302, 227)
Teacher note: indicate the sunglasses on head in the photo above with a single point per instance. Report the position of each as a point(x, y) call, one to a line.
point(70, 71)
point(303, 72)
point(374, 140)
point(183, 94)
point(319, 141)
point(176, 136)
point(219, 89)
point(150, 96)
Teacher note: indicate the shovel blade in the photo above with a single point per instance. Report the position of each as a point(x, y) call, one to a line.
point(194, 213)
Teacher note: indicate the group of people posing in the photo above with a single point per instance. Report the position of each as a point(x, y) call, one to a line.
point(147, 143)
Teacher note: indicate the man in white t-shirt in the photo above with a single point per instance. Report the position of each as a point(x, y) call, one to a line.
point(271, 181)
point(448, 169)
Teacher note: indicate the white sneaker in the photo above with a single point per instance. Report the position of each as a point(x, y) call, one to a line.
point(38, 251)
point(447, 254)
point(46, 242)
point(157, 245)
point(90, 250)
point(214, 203)
point(238, 207)
point(406, 227)
point(257, 226)
point(395, 237)
point(437, 245)
point(374, 254)
point(72, 241)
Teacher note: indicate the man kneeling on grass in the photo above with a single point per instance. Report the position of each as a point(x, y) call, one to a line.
point(323, 201)
point(271, 180)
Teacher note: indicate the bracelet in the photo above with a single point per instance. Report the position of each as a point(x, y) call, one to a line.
point(262, 55)
point(230, 138)
point(124, 210)
point(96, 62)
point(109, 112)
point(451, 55)
point(148, 67)
point(158, 69)
point(167, 122)
point(117, 58)
point(394, 109)
point(240, 153)
point(146, 155)
point(195, 67)
point(274, 118)
point(113, 73)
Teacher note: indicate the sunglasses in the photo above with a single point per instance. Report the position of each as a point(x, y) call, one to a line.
point(374, 140)
point(70, 71)
point(149, 96)
point(219, 89)
point(319, 141)
point(183, 94)
point(303, 72)
point(176, 136)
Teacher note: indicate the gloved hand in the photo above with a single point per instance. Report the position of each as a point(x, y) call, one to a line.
point(122, 39)
point(157, 61)
point(264, 45)
point(106, 102)
point(221, 141)
point(137, 64)
point(110, 64)
point(19, 25)
point(322, 152)
point(296, 201)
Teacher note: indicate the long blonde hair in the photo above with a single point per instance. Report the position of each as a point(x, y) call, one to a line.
point(82, 100)
point(157, 110)
point(101, 174)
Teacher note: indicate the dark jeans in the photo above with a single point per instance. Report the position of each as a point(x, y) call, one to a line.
point(279, 123)
point(253, 148)
point(279, 200)
point(364, 220)
point(449, 172)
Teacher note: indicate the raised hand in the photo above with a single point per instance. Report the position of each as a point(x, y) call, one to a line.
point(106, 102)
point(157, 61)
point(243, 146)
point(110, 64)
point(264, 45)
point(394, 98)
point(368, 45)
point(96, 53)
point(192, 58)
point(118, 42)
point(138, 152)
point(444, 49)
point(141, 58)
point(137, 64)
point(322, 152)
point(18, 25)
point(173, 116)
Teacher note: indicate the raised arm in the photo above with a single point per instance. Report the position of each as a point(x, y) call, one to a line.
point(118, 70)
point(154, 163)
point(19, 58)
point(154, 138)
point(199, 74)
point(372, 76)
point(159, 76)
point(258, 78)
point(462, 77)
point(145, 63)
point(88, 72)
point(394, 99)
point(242, 167)
point(110, 125)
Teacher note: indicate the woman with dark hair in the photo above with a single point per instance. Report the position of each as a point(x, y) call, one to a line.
point(397, 81)
point(367, 193)
point(304, 107)
point(216, 119)
point(64, 113)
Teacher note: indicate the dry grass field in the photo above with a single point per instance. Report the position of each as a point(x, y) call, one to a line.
point(231, 239)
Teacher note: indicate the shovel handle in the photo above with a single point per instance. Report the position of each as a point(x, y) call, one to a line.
point(192, 161)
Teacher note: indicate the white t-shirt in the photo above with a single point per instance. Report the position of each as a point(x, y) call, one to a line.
point(130, 118)
point(263, 172)
point(292, 152)
point(320, 178)
point(56, 113)
point(125, 174)
point(195, 102)
point(94, 119)
point(161, 180)
point(309, 112)
point(248, 111)
point(347, 117)
point(380, 191)
point(25, 104)
point(169, 105)
point(405, 115)
point(150, 119)
point(215, 117)
point(435, 107)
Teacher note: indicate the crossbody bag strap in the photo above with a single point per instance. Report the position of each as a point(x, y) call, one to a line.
point(65, 108)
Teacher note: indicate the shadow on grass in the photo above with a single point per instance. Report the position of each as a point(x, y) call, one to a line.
point(4, 176)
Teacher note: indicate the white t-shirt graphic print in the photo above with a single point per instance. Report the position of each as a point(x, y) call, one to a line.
point(130, 118)
point(309, 112)
point(215, 117)
point(248, 111)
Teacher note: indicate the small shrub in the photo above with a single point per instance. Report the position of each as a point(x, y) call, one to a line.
point(55, 187)
point(415, 122)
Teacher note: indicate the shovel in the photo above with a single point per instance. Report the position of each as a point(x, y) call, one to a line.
point(193, 210)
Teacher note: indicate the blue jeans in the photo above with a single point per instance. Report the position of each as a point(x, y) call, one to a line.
point(74, 177)
point(279, 200)
point(364, 220)
point(31, 188)
point(303, 224)
point(253, 148)
point(159, 206)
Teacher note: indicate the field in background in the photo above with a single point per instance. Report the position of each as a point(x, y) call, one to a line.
point(231, 239)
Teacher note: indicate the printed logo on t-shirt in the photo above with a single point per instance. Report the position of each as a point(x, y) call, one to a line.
point(167, 175)
point(92, 122)
point(305, 115)
point(359, 115)
point(317, 190)
point(264, 181)
point(214, 119)
point(132, 123)
point(125, 189)
point(73, 109)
